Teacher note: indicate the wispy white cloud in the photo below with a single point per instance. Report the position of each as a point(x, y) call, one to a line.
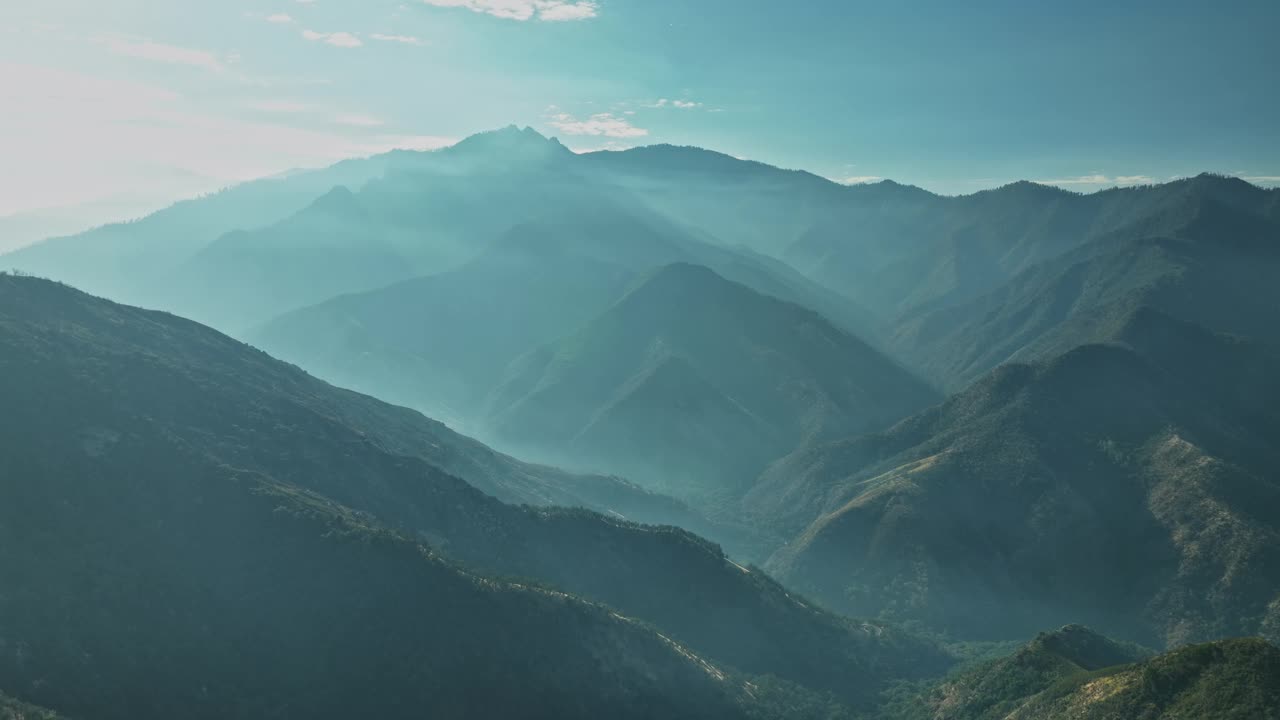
point(546, 10)
point(1100, 179)
point(858, 179)
point(678, 104)
point(599, 124)
point(1259, 179)
point(404, 39)
point(566, 11)
point(336, 39)
point(161, 52)
point(280, 18)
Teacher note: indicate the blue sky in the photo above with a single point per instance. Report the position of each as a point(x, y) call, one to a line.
point(148, 101)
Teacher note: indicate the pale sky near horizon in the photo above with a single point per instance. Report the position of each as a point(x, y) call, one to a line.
point(142, 101)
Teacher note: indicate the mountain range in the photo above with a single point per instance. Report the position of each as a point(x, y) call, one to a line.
point(962, 419)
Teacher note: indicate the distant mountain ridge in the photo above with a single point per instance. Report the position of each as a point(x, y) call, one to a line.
point(727, 377)
point(1196, 265)
point(443, 341)
point(878, 244)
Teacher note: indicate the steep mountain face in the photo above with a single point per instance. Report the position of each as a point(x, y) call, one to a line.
point(1076, 673)
point(140, 431)
point(691, 383)
point(1216, 268)
point(1126, 485)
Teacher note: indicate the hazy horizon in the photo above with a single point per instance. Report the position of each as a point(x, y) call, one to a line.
point(173, 101)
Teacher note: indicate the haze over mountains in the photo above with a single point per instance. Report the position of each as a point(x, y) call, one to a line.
point(958, 419)
point(710, 377)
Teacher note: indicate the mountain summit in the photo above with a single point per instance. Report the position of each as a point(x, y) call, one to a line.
point(511, 145)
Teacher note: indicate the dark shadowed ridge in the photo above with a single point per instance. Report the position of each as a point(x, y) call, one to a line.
point(153, 432)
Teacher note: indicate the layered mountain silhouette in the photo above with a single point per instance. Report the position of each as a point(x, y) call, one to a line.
point(136, 261)
point(904, 252)
point(223, 525)
point(766, 345)
point(1211, 258)
point(1126, 484)
point(442, 342)
point(692, 383)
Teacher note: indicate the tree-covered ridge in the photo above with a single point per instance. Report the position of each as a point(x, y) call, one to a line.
point(90, 380)
point(993, 689)
point(150, 578)
point(1126, 485)
point(1078, 674)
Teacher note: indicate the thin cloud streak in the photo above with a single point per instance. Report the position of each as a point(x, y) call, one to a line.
point(522, 10)
point(402, 39)
point(162, 53)
point(340, 39)
point(1100, 179)
point(600, 124)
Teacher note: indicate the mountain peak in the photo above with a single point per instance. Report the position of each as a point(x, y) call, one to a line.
point(1084, 647)
point(682, 283)
point(511, 140)
point(339, 200)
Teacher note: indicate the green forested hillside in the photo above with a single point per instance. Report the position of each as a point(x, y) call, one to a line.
point(99, 386)
point(1078, 674)
point(1126, 485)
point(150, 581)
